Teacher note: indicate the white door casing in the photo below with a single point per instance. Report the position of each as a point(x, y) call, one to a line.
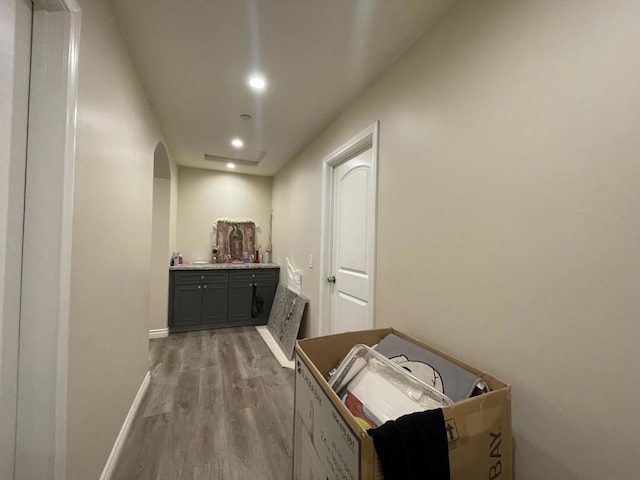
point(15, 55)
point(48, 221)
point(348, 235)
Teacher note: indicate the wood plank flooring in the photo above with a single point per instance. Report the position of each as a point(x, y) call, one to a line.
point(219, 406)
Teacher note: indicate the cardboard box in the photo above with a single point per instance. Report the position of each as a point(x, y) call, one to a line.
point(329, 443)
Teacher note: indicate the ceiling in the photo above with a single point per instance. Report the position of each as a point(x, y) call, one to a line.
point(194, 58)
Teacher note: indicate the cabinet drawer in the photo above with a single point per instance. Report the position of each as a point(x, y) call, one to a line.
point(252, 276)
point(202, 276)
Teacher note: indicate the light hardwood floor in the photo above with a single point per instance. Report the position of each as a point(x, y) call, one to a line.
point(219, 406)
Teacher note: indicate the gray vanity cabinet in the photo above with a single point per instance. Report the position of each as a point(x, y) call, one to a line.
point(218, 297)
point(197, 299)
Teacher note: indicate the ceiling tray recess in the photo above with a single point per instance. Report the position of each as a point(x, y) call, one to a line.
point(250, 160)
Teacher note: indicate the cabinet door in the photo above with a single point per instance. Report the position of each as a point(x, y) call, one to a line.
point(240, 291)
point(214, 302)
point(187, 304)
point(266, 290)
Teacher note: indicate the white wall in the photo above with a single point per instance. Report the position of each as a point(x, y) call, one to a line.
point(108, 341)
point(206, 195)
point(173, 207)
point(507, 224)
point(160, 241)
point(15, 49)
point(296, 224)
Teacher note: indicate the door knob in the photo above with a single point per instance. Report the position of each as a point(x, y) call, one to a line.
point(331, 279)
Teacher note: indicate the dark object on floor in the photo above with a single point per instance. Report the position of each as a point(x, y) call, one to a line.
point(413, 447)
point(285, 317)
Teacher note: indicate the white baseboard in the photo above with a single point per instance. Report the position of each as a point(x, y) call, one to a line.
point(124, 431)
point(275, 348)
point(158, 333)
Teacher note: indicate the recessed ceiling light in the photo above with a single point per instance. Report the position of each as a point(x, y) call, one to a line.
point(231, 165)
point(237, 143)
point(257, 82)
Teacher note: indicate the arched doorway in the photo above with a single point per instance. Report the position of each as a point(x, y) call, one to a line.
point(160, 243)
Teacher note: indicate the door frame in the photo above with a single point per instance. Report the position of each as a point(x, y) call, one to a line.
point(362, 141)
point(48, 222)
point(160, 243)
point(15, 53)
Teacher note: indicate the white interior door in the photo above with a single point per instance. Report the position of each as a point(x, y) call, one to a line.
point(352, 266)
point(349, 232)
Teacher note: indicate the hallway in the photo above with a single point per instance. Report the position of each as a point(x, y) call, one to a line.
point(219, 406)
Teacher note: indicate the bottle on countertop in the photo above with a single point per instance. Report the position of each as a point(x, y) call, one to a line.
point(179, 258)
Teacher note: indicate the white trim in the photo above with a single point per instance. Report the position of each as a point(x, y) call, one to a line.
point(275, 348)
point(15, 41)
point(43, 366)
point(363, 140)
point(158, 333)
point(124, 431)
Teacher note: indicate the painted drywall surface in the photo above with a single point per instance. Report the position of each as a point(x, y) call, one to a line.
point(15, 51)
point(206, 195)
point(296, 226)
point(159, 293)
point(507, 218)
point(108, 340)
point(173, 206)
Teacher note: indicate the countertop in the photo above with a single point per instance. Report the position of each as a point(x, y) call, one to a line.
point(223, 266)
